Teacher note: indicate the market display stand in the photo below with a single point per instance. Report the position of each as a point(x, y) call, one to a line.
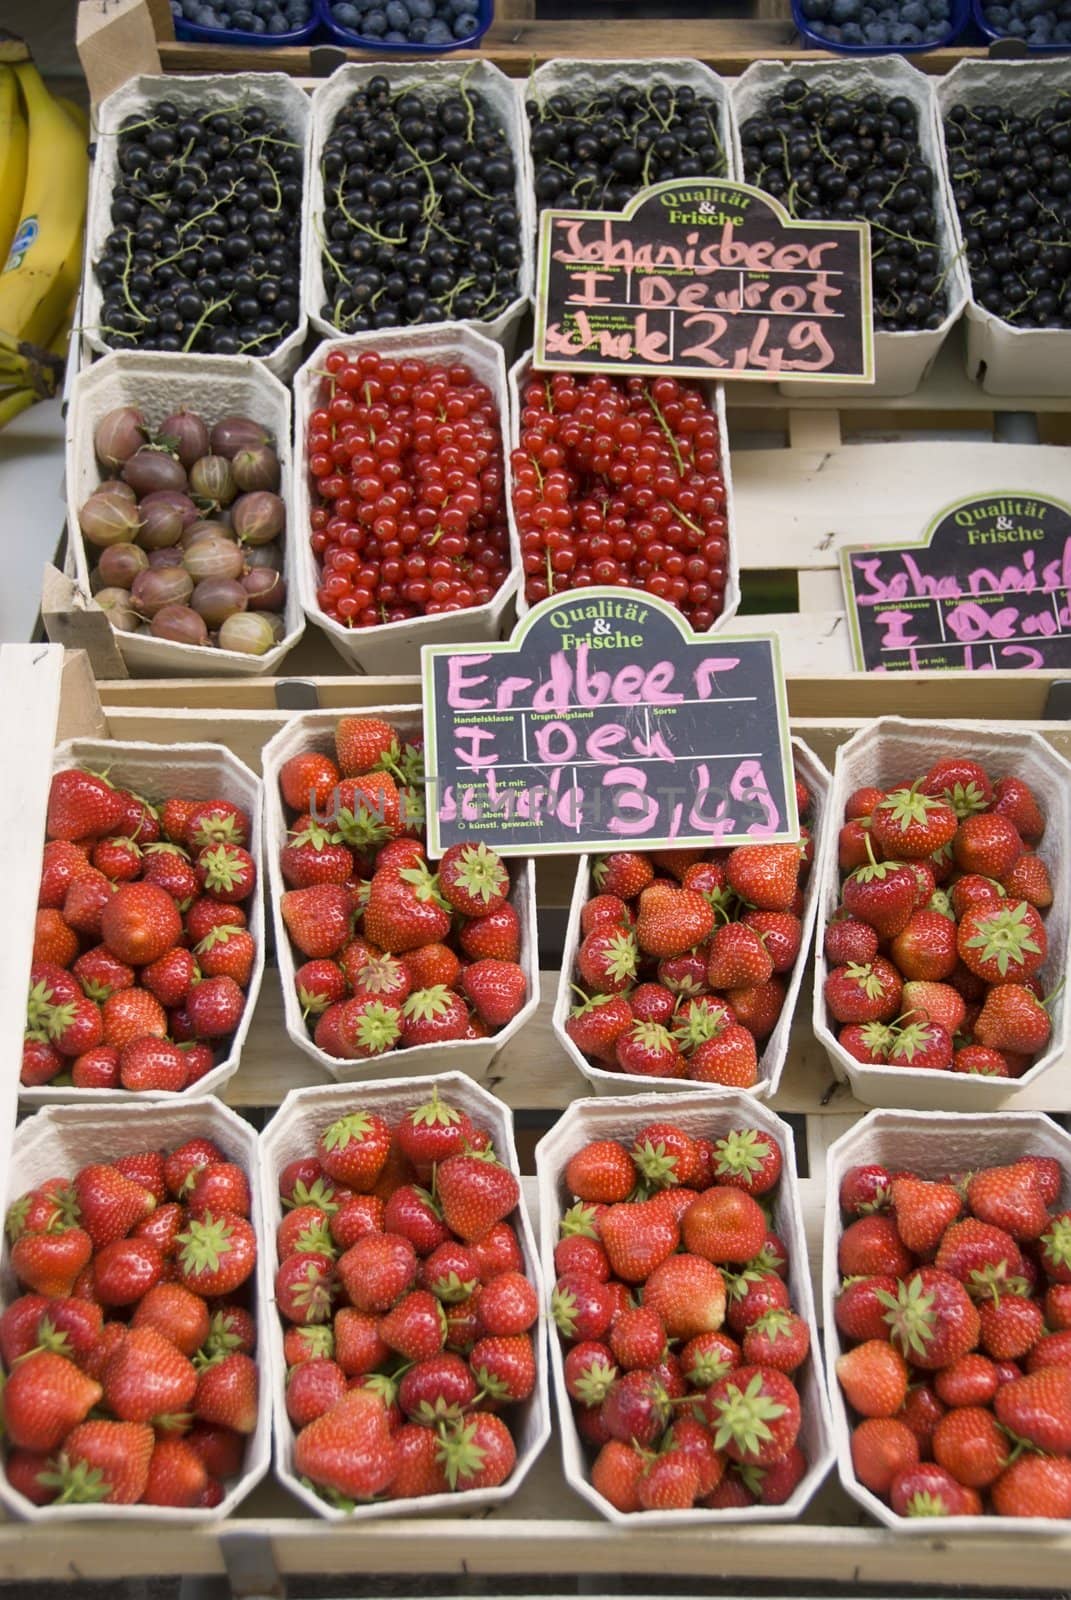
point(545, 1529)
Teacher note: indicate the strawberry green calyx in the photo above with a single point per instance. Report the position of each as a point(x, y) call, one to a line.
point(925, 1504)
point(698, 1026)
point(222, 872)
point(742, 1153)
point(992, 1282)
point(451, 1289)
point(434, 1113)
point(596, 1381)
point(460, 1455)
point(579, 1219)
point(317, 1193)
point(490, 1386)
point(165, 847)
point(381, 974)
point(940, 902)
point(777, 1323)
point(314, 837)
point(706, 1368)
point(966, 798)
point(912, 1040)
point(331, 1497)
point(432, 1413)
point(868, 980)
point(312, 1005)
point(875, 871)
point(657, 1165)
point(565, 1308)
point(351, 1129)
point(222, 1338)
point(384, 1384)
point(479, 871)
point(218, 935)
point(318, 1339)
point(1005, 936)
point(878, 1038)
point(361, 827)
point(15, 1222)
point(906, 807)
point(652, 1036)
point(39, 1008)
point(743, 1416)
point(737, 1284)
point(425, 884)
point(769, 1259)
point(428, 1005)
point(412, 810)
point(314, 1240)
point(910, 1315)
point(752, 1476)
point(205, 1244)
point(587, 1002)
point(1056, 1242)
point(78, 1483)
point(410, 763)
point(620, 955)
point(49, 1337)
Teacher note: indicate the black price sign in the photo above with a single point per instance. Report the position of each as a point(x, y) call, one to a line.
point(606, 721)
point(704, 278)
point(988, 589)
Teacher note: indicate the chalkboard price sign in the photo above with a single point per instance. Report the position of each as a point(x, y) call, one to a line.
point(605, 721)
point(707, 278)
point(988, 589)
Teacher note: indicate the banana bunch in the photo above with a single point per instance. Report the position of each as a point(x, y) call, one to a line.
point(44, 168)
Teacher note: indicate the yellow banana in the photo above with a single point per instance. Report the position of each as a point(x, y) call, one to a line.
point(14, 140)
point(14, 402)
point(45, 262)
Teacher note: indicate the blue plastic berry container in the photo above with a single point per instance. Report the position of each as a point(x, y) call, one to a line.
point(193, 32)
point(961, 16)
point(485, 13)
point(989, 32)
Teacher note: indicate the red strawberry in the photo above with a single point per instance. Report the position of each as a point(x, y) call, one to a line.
point(319, 984)
point(932, 1319)
point(216, 1255)
point(83, 908)
point(118, 858)
point(933, 1002)
point(62, 861)
point(923, 1045)
point(49, 1262)
point(929, 1491)
point(140, 922)
point(1034, 1486)
point(365, 743)
point(1012, 798)
point(82, 806)
point(170, 868)
point(859, 1310)
point(869, 993)
point(102, 974)
point(406, 909)
point(475, 1192)
point(349, 1450)
point(228, 952)
point(749, 1159)
point(869, 1042)
point(649, 1050)
point(603, 1171)
point(908, 823)
point(1010, 1198)
point(754, 1414)
point(882, 1448)
point(496, 935)
point(874, 1378)
point(473, 879)
point(109, 1203)
point(305, 1288)
point(215, 1007)
point(925, 948)
point(54, 939)
point(75, 1026)
point(764, 875)
point(987, 844)
point(496, 989)
point(132, 1014)
point(433, 1016)
point(737, 957)
point(848, 939)
point(377, 1271)
point(972, 1380)
point(151, 1063)
point(478, 1453)
point(779, 1338)
point(103, 1462)
point(724, 1224)
point(317, 919)
point(624, 874)
point(672, 919)
point(961, 783)
point(865, 1189)
point(729, 1059)
point(1037, 1408)
point(431, 1132)
point(504, 1368)
point(597, 1023)
point(923, 1211)
point(214, 822)
point(1013, 1019)
point(219, 1188)
point(921, 1412)
point(872, 1244)
point(148, 1378)
point(177, 1313)
point(652, 1002)
point(606, 960)
point(984, 1258)
point(581, 1306)
point(1028, 879)
point(688, 1294)
point(637, 1238)
point(226, 1394)
point(313, 1387)
point(358, 1029)
point(308, 781)
point(353, 1149)
point(314, 854)
point(636, 1409)
point(1004, 943)
point(883, 894)
point(781, 932)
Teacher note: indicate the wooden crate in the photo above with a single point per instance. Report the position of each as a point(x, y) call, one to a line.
point(545, 1529)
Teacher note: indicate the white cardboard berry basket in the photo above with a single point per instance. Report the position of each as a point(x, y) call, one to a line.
point(275, 92)
point(1009, 360)
point(438, 77)
point(519, 374)
point(188, 772)
point(931, 1144)
point(775, 1050)
point(394, 647)
point(314, 730)
point(710, 1117)
point(902, 359)
point(292, 1133)
point(58, 1141)
point(894, 750)
point(160, 383)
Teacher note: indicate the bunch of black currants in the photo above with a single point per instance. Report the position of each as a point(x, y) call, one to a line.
point(204, 250)
point(420, 213)
point(1011, 181)
point(592, 150)
point(856, 157)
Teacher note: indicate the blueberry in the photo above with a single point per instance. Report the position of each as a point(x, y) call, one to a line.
point(465, 26)
point(277, 23)
point(397, 14)
point(425, 9)
point(876, 33)
point(395, 36)
point(438, 32)
point(345, 15)
point(418, 31)
point(374, 24)
point(851, 33)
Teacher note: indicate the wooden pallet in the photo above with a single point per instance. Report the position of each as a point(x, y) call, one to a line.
point(545, 1529)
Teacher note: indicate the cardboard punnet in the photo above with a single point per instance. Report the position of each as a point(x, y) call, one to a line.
point(902, 360)
point(894, 750)
point(60, 1140)
point(314, 730)
point(293, 1133)
point(772, 1056)
point(159, 383)
point(1009, 360)
point(189, 772)
point(931, 1144)
point(275, 92)
point(394, 647)
point(710, 1116)
point(438, 78)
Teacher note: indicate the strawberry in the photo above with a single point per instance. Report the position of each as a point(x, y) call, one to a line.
point(764, 875)
point(672, 919)
point(737, 957)
point(413, 1214)
point(433, 1016)
point(637, 1238)
point(215, 1007)
point(669, 1482)
point(496, 989)
point(729, 1059)
point(365, 743)
point(101, 974)
point(313, 1387)
point(987, 844)
point(779, 1338)
point(504, 1368)
point(319, 984)
point(118, 858)
point(1054, 1248)
point(636, 1409)
point(925, 948)
point(61, 863)
point(478, 1453)
point(859, 1312)
point(597, 1023)
point(177, 1475)
point(317, 919)
point(754, 1414)
point(475, 1192)
point(971, 1380)
point(865, 1189)
point(508, 1305)
point(624, 874)
point(125, 1270)
point(54, 939)
point(932, 1319)
point(923, 1211)
point(353, 1149)
point(758, 1007)
point(226, 951)
point(873, 1377)
point(872, 1244)
point(652, 1002)
point(41, 1062)
point(431, 1132)
point(109, 1203)
point(305, 1231)
point(44, 1398)
point(961, 783)
point(853, 847)
point(226, 1394)
point(219, 1187)
point(923, 1045)
point(603, 1172)
point(1034, 1486)
point(148, 1378)
point(883, 894)
point(604, 911)
point(49, 1263)
point(314, 854)
point(307, 782)
point(929, 1491)
point(688, 1293)
point(984, 1258)
point(75, 1026)
point(869, 993)
point(923, 1001)
point(382, 977)
point(682, 976)
point(607, 958)
point(589, 1372)
point(649, 1050)
point(724, 1224)
point(638, 1338)
point(83, 908)
point(666, 1156)
point(908, 823)
point(1014, 799)
point(473, 879)
point(358, 1029)
point(1009, 1197)
point(1037, 1408)
point(616, 1475)
point(581, 1306)
point(781, 932)
point(305, 1288)
point(377, 1271)
point(1028, 879)
point(132, 1014)
point(406, 909)
point(152, 1063)
point(103, 1462)
point(1004, 943)
point(216, 1255)
point(170, 868)
point(749, 1159)
point(82, 806)
point(1013, 1019)
point(869, 1042)
point(169, 979)
point(214, 822)
point(177, 1313)
point(439, 1389)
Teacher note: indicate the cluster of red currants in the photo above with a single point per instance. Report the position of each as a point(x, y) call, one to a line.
point(409, 512)
point(619, 481)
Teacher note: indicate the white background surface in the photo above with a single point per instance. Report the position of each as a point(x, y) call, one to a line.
point(31, 513)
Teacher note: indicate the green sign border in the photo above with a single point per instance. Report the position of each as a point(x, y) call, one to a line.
point(848, 577)
point(431, 652)
point(541, 363)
